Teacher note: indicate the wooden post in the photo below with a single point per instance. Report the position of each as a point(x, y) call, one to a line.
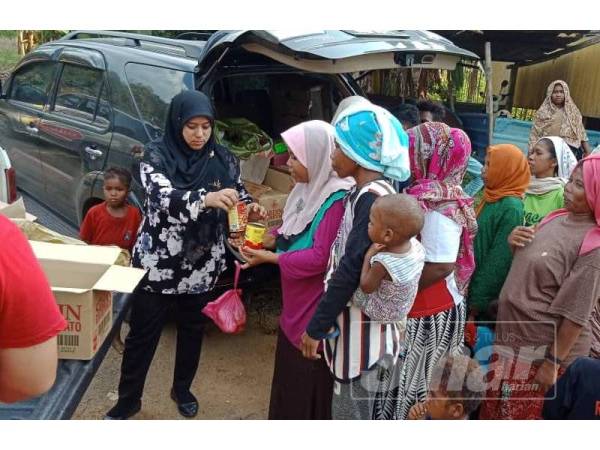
point(21, 43)
point(31, 41)
point(451, 91)
point(514, 70)
point(489, 96)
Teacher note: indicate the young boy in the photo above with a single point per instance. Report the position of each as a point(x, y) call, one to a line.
point(114, 221)
point(393, 264)
point(456, 389)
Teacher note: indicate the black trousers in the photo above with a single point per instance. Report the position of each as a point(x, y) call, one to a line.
point(149, 314)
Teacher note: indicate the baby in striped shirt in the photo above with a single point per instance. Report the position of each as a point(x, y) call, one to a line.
point(393, 264)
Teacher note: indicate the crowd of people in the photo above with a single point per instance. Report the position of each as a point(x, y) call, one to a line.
point(408, 290)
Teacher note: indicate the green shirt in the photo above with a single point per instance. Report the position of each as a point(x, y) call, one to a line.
point(539, 206)
point(492, 253)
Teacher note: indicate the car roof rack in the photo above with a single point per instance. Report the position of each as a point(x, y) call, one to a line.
point(195, 35)
point(151, 43)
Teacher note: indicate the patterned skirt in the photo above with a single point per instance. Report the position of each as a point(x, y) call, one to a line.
point(428, 339)
point(513, 392)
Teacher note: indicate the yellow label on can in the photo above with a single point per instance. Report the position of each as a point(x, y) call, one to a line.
point(255, 233)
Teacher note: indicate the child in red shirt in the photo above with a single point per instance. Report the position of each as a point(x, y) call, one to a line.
point(114, 221)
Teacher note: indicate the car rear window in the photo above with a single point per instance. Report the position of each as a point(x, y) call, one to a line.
point(153, 88)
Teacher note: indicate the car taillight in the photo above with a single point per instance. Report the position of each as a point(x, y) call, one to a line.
point(11, 184)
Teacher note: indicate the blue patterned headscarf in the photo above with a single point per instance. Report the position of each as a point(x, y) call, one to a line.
point(373, 138)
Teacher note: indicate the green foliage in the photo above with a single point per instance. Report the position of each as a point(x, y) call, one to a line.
point(8, 51)
point(8, 59)
point(8, 34)
point(50, 35)
point(467, 83)
point(523, 113)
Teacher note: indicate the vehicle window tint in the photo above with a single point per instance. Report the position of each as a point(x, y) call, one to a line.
point(32, 83)
point(78, 92)
point(153, 88)
point(103, 112)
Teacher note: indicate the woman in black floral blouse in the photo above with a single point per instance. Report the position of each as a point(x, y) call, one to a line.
point(190, 183)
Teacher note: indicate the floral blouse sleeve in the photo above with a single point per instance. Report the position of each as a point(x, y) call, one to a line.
point(180, 204)
point(241, 189)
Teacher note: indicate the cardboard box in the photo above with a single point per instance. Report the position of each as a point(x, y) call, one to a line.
point(82, 279)
point(279, 180)
point(256, 190)
point(89, 320)
point(255, 168)
point(274, 198)
point(16, 210)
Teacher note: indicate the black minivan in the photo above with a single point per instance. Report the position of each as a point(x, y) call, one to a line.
point(92, 99)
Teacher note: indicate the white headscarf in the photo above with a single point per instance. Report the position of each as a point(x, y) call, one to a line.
point(566, 163)
point(312, 143)
point(565, 157)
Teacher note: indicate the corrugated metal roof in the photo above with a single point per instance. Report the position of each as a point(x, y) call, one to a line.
point(519, 46)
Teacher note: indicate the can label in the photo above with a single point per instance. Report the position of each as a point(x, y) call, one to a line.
point(237, 218)
point(255, 233)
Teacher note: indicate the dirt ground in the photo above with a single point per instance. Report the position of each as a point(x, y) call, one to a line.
point(233, 380)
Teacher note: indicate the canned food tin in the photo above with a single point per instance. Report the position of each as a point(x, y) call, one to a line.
point(254, 235)
point(237, 218)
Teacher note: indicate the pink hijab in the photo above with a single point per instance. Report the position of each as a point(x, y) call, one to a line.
point(439, 156)
point(591, 182)
point(312, 144)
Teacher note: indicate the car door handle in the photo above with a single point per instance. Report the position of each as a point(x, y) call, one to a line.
point(32, 128)
point(93, 152)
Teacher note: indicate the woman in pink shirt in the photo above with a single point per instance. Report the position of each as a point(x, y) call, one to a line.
point(302, 388)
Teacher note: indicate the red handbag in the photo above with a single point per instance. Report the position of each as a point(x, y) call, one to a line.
point(228, 311)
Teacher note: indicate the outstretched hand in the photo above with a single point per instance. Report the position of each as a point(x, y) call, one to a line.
point(256, 257)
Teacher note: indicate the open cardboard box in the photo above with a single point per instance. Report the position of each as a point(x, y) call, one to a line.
point(273, 199)
point(82, 279)
point(16, 210)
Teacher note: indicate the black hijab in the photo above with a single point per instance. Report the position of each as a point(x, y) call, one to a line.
point(185, 167)
point(212, 168)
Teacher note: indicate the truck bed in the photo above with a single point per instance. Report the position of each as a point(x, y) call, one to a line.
point(72, 380)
